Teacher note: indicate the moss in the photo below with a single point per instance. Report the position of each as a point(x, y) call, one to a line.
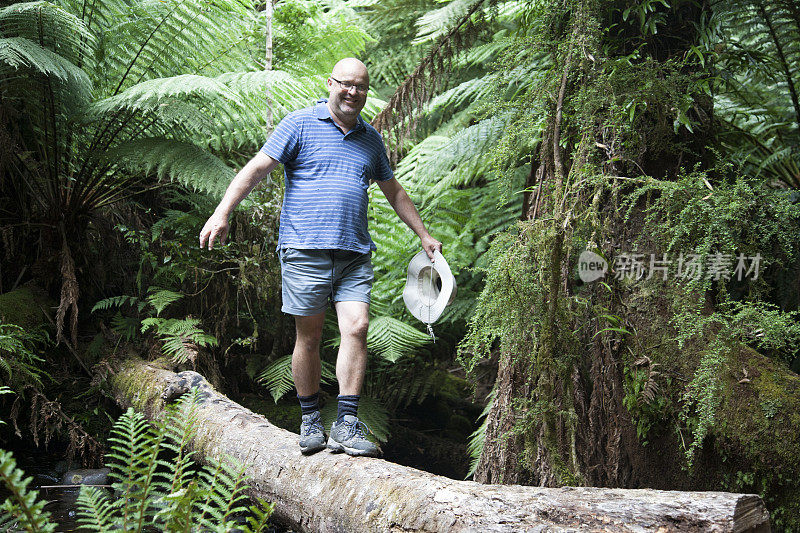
point(23, 307)
point(136, 387)
point(759, 431)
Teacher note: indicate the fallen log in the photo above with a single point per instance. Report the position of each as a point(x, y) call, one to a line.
point(329, 492)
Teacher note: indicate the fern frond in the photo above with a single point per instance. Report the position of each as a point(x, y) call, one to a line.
point(95, 511)
point(478, 437)
point(125, 326)
point(161, 298)
point(392, 339)
point(179, 161)
point(435, 23)
point(177, 334)
point(151, 94)
point(397, 385)
point(20, 54)
point(149, 39)
point(132, 460)
point(261, 511)
point(22, 505)
point(117, 301)
point(224, 485)
point(52, 28)
point(277, 377)
point(427, 78)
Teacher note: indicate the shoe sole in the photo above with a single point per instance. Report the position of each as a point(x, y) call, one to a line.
point(308, 450)
point(312, 448)
point(337, 447)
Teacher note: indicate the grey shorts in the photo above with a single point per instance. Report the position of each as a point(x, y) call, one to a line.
point(310, 278)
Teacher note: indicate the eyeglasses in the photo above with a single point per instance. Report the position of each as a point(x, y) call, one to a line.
point(346, 85)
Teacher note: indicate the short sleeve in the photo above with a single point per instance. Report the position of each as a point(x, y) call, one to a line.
point(284, 143)
point(384, 169)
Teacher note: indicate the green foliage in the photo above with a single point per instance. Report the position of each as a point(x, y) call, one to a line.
point(310, 37)
point(477, 438)
point(20, 360)
point(21, 509)
point(277, 377)
point(179, 336)
point(392, 339)
point(643, 398)
point(733, 216)
point(154, 493)
point(757, 86)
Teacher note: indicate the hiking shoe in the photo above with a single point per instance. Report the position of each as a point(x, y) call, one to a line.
point(348, 437)
point(312, 433)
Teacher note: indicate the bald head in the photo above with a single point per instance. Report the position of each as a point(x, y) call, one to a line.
point(350, 67)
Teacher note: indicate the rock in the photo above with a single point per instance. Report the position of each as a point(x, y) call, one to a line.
point(86, 476)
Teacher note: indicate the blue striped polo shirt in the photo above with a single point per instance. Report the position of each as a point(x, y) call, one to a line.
point(327, 176)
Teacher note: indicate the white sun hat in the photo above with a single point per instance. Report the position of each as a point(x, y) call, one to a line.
point(430, 287)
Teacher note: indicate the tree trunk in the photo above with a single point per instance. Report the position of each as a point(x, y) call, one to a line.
point(327, 492)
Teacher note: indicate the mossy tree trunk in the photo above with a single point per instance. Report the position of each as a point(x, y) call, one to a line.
point(558, 415)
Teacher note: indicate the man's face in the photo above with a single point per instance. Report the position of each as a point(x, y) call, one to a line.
point(344, 101)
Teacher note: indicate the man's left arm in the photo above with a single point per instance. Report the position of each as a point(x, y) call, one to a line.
point(404, 207)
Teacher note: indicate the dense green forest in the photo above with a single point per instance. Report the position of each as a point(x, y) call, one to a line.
point(663, 136)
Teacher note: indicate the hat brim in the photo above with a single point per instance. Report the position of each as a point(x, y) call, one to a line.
point(421, 307)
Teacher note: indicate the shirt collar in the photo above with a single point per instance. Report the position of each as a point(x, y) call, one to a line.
point(322, 112)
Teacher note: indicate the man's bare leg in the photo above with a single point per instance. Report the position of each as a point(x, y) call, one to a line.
point(346, 434)
point(351, 362)
point(306, 367)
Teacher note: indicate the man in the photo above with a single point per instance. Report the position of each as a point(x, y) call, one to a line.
point(330, 155)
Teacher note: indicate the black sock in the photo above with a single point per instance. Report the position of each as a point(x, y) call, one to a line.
point(348, 405)
point(309, 404)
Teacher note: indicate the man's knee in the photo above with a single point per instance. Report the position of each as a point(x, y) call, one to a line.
point(309, 331)
point(355, 326)
point(308, 341)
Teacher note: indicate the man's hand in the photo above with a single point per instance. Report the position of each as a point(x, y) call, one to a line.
point(216, 228)
point(429, 244)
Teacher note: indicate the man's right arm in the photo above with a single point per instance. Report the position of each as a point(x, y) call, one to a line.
point(216, 228)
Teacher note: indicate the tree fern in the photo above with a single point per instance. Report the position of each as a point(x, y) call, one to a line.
point(118, 97)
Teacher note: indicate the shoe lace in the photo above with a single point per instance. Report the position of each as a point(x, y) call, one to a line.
point(355, 430)
point(315, 423)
